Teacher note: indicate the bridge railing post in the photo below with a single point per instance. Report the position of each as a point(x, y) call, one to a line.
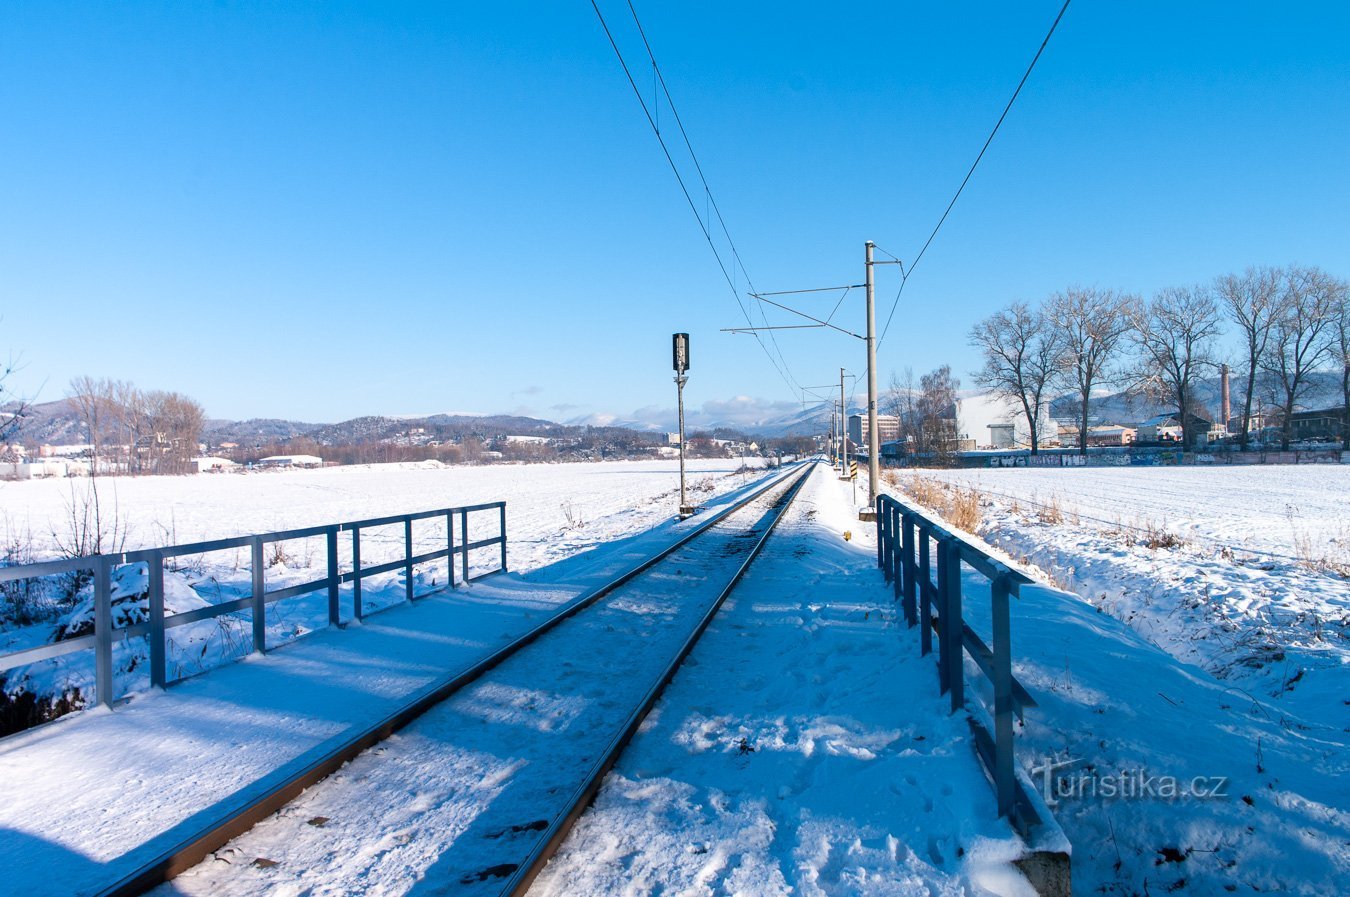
point(907, 568)
point(953, 626)
point(334, 577)
point(259, 597)
point(925, 592)
point(1003, 700)
point(103, 661)
point(155, 569)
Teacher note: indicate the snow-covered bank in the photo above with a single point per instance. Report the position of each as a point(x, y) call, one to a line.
point(1296, 511)
point(1273, 624)
point(1164, 777)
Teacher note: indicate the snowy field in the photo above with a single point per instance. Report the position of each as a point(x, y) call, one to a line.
point(1192, 731)
point(553, 511)
point(804, 748)
point(1294, 511)
point(1240, 571)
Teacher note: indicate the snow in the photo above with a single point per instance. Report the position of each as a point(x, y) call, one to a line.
point(553, 511)
point(1125, 675)
point(802, 746)
point(802, 749)
point(92, 794)
point(1266, 616)
point(1289, 510)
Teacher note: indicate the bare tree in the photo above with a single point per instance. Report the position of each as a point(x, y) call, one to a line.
point(1023, 359)
point(12, 407)
point(1304, 335)
point(93, 401)
point(1343, 353)
point(127, 410)
point(1174, 335)
point(1092, 324)
point(901, 402)
point(936, 412)
point(1252, 300)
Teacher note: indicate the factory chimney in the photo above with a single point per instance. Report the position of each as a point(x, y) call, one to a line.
point(1224, 395)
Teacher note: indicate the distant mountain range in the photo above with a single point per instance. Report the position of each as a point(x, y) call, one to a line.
point(58, 423)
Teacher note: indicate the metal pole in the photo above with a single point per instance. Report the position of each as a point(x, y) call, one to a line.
point(155, 567)
point(679, 392)
point(843, 417)
point(873, 437)
point(103, 659)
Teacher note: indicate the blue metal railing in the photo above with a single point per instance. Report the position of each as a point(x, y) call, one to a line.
point(922, 560)
point(101, 568)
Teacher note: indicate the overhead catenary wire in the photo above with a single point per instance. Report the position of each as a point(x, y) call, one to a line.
point(707, 191)
point(905, 273)
point(783, 369)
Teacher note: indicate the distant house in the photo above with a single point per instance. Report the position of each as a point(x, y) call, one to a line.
point(1166, 428)
point(985, 420)
point(534, 440)
point(1323, 423)
point(1111, 435)
point(211, 465)
point(888, 429)
point(291, 461)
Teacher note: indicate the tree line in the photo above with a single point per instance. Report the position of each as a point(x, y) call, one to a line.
point(134, 430)
point(1290, 322)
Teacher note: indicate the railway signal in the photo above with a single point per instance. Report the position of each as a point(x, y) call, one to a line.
point(679, 353)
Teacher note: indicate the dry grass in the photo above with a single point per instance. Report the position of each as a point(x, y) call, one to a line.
point(1050, 512)
point(959, 507)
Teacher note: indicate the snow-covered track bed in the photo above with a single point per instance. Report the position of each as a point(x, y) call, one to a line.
point(436, 802)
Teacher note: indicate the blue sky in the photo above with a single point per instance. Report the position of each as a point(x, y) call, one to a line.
point(317, 211)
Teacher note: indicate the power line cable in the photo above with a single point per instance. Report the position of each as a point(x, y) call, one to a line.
point(904, 275)
point(707, 235)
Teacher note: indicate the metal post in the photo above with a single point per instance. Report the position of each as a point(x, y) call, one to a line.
point(464, 537)
point(896, 543)
point(907, 568)
point(450, 547)
point(407, 556)
point(157, 646)
point(953, 626)
point(925, 593)
point(334, 580)
point(873, 437)
point(503, 528)
point(679, 354)
point(679, 394)
point(356, 573)
point(259, 607)
point(944, 617)
point(1003, 709)
point(834, 436)
point(881, 542)
point(843, 428)
point(103, 664)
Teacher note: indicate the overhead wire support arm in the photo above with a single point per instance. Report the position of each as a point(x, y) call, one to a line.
point(818, 321)
point(772, 327)
point(847, 286)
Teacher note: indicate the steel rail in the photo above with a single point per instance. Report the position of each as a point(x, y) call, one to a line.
point(547, 846)
point(253, 804)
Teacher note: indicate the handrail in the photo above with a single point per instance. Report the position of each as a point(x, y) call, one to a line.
point(911, 547)
point(102, 567)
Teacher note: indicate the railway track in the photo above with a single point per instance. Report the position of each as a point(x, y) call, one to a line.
point(542, 720)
